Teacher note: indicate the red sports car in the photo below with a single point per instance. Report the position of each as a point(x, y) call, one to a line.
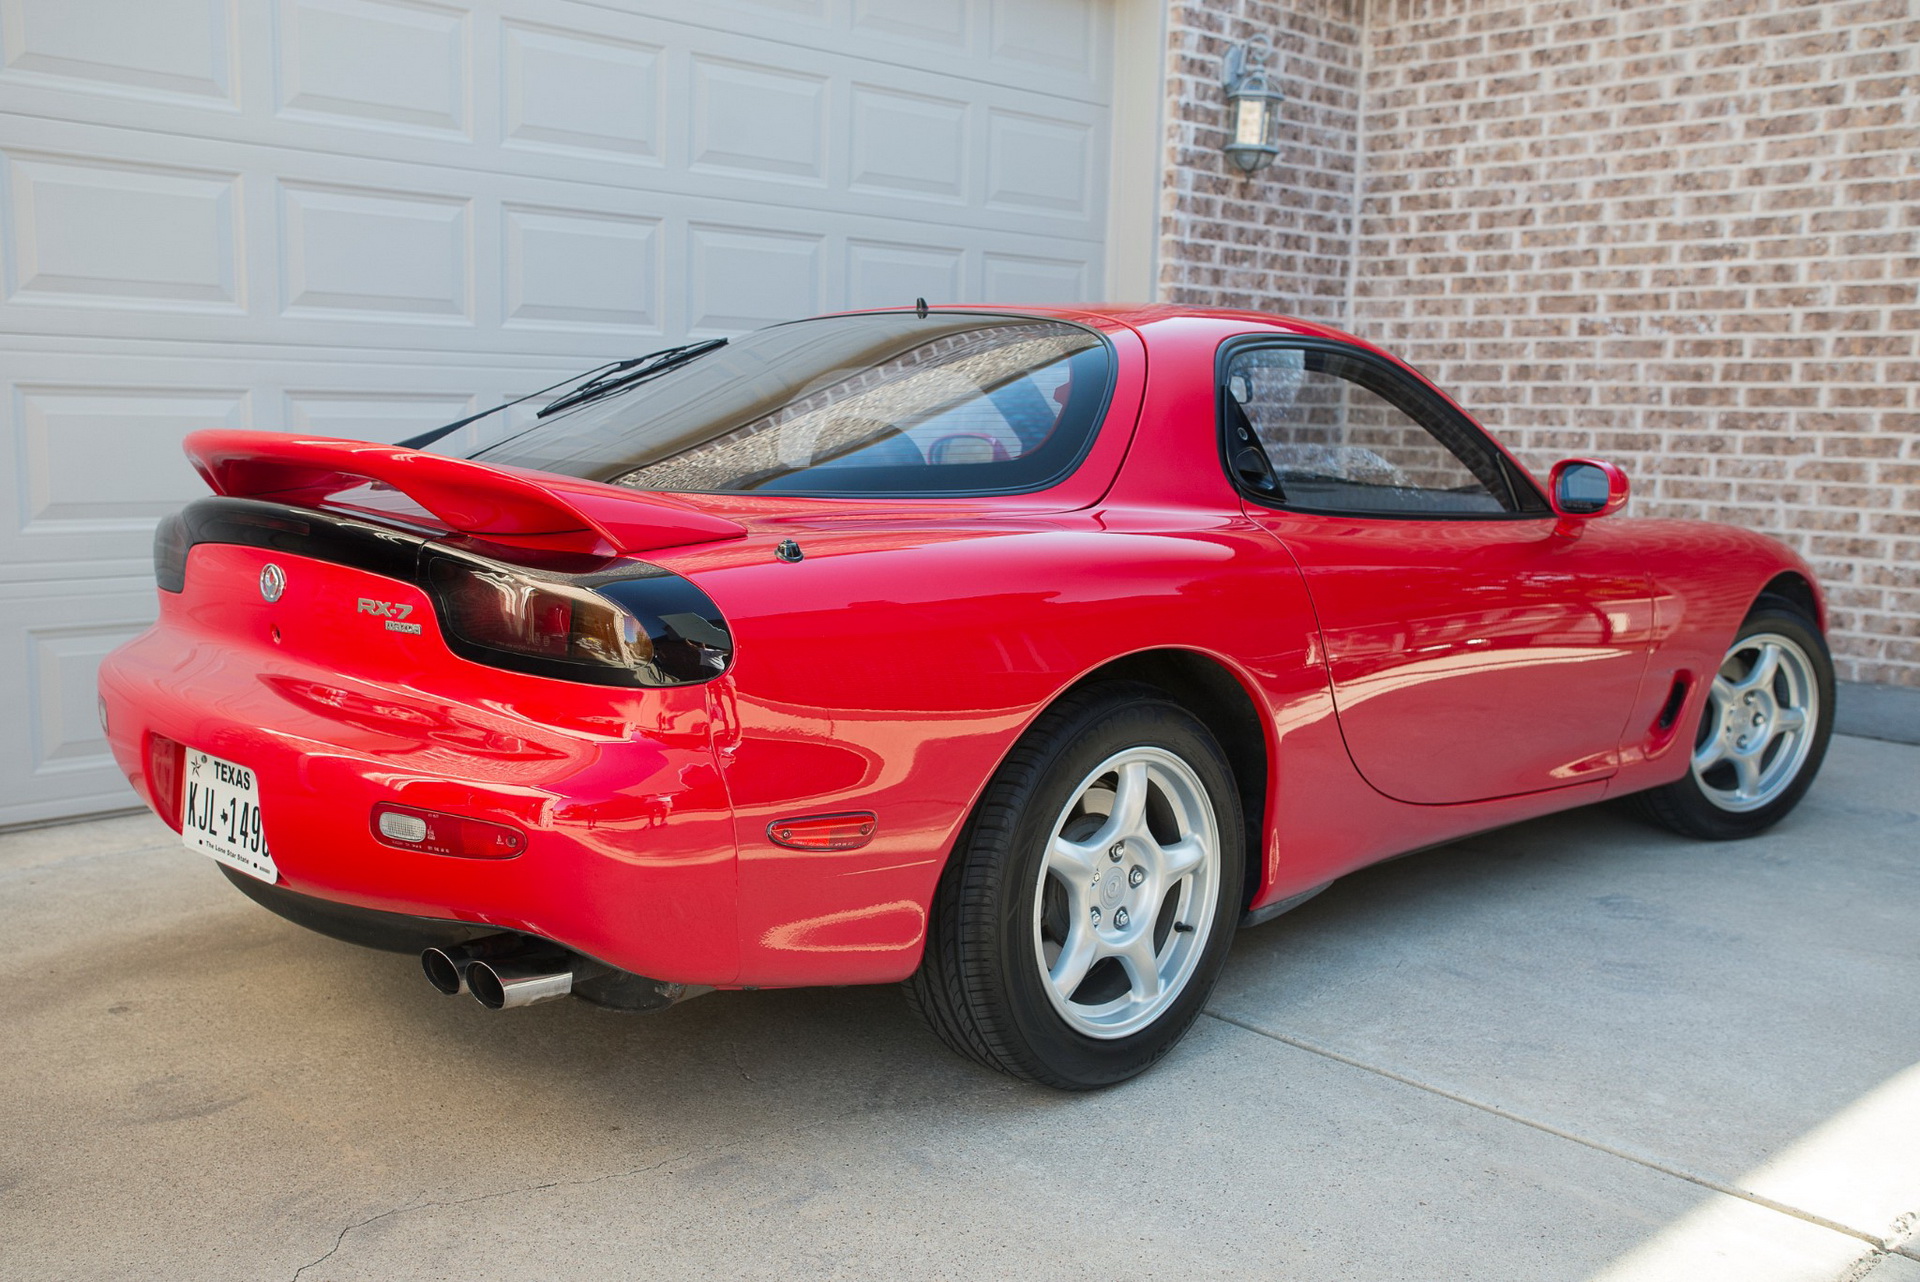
point(1018, 654)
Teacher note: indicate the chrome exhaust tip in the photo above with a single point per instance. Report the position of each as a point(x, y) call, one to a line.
point(507, 983)
point(446, 966)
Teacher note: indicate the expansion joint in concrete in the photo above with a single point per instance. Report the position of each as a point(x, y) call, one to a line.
point(1898, 1241)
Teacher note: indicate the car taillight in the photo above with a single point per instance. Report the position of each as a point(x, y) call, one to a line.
point(636, 626)
point(434, 833)
point(165, 760)
point(170, 545)
point(509, 610)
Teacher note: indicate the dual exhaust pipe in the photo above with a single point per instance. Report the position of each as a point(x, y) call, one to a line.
point(506, 971)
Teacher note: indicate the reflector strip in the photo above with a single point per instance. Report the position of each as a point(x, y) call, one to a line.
point(848, 831)
point(165, 762)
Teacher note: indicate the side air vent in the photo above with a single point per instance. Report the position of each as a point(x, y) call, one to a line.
point(1676, 699)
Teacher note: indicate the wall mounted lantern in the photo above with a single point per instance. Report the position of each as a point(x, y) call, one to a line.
point(1253, 106)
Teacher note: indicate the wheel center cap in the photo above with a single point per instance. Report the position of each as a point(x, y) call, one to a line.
point(1111, 890)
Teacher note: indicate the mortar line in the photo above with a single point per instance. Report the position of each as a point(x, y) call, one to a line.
point(1357, 210)
point(1627, 1155)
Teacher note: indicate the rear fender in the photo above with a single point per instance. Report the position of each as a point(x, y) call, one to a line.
point(870, 679)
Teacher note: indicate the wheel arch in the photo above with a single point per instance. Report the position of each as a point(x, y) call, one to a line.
point(1221, 700)
point(1793, 586)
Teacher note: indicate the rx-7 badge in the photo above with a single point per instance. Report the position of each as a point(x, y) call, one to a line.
point(394, 612)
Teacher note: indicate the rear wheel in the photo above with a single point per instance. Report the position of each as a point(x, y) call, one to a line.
point(1763, 731)
point(1089, 905)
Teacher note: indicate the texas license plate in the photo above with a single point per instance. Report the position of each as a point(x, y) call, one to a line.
point(220, 815)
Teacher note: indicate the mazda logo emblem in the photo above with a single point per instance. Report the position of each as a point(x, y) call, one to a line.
point(273, 581)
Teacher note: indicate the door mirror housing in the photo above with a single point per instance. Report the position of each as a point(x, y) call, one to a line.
point(1583, 488)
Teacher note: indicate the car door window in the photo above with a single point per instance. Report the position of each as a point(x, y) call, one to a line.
point(1327, 429)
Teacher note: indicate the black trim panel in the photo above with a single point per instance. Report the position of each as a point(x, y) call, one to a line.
point(686, 627)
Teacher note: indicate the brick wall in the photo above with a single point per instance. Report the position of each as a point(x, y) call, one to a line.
point(1283, 239)
point(1684, 236)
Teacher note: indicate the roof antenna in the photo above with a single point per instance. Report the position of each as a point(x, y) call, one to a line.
point(920, 308)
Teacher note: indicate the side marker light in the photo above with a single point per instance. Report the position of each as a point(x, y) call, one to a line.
point(824, 832)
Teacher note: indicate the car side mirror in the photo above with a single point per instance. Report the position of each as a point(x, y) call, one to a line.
point(1583, 488)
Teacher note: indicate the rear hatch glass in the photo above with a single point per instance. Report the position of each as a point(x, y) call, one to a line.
point(872, 405)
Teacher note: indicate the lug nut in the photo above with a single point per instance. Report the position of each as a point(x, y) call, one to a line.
point(1096, 916)
point(1136, 875)
point(1117, 851)
point(1119, 919)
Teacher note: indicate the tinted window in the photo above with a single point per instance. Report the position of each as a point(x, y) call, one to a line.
point(1335, 431)
point(884, 403)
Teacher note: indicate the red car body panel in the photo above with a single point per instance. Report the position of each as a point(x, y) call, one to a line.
point(1413, 681)
point(502, 503)
point(335, 717)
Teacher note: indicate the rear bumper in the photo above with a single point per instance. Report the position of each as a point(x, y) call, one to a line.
point(630, 855)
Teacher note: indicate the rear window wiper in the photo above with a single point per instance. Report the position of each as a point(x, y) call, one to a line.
point(627, 373)
point(612, 375)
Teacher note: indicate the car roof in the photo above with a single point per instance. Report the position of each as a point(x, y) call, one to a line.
point(1139, 316)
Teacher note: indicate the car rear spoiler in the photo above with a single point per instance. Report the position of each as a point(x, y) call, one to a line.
point(505, 503)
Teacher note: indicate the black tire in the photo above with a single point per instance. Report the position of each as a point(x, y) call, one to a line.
point(980, 985)
point(1688, 808)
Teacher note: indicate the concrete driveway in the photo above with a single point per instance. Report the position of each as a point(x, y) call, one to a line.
point(1575, 1049)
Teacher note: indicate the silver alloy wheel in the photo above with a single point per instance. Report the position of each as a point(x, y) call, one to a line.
point(1758, 728)
point(1126, 893)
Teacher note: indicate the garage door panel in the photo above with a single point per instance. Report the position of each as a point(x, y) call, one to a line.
point(84, 231)
point(63, 662)
point(143, 48)
point(1016, 278)
point(580, 269)
point(372, 416)
point(758, 120)
point(1003, 46)
point(741, 278)
point(581, 93)
point(56, 761)
point(908, 145)
point(942, 24)
point(385, 64)
point(99, 459)
point(537, 118)
point(380, 254)
point(815, 13)
point(366, 218)
point(1060, 35)
point(344, 247)
point(881, 275)
point(1039, 165)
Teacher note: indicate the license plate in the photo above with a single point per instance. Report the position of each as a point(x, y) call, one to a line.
point(220, 815)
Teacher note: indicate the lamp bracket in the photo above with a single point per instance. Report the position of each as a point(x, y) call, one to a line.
point(1245, 61)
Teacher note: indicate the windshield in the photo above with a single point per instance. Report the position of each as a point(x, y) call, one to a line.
point(886, 403)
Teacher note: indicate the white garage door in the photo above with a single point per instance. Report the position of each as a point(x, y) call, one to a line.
point(367, 217)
